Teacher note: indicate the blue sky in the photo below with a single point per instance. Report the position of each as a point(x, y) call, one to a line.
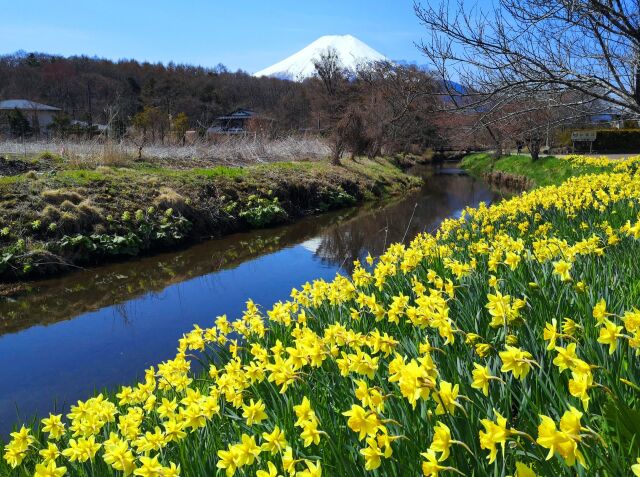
point(245, 34)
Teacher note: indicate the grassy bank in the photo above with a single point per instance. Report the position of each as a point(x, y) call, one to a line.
point(506, 344)
point(56, 214)
point(545, 171)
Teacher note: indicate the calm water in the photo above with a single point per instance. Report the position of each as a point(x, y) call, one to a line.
point(102, 327)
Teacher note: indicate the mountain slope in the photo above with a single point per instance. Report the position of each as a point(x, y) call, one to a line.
point(299, 66)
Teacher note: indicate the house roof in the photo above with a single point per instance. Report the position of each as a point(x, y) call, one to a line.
point(85, 124)
point(238, 114)
point(26, 104)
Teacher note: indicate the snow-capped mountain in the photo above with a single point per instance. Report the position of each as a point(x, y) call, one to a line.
point(299, 66)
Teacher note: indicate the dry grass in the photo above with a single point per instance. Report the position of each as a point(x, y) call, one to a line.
point(169, 198)
point(234, 151)
point(73, 218)
point(57, 196)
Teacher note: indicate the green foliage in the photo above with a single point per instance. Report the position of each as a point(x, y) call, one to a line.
point(148, 232)
point(262, 212)
point(179, 125)
point(607, 140)
point(617, 140)
point(125, 237)
point(12, 256)
point(623, 424)
point(342, 199)
point(336, 200)
point(151, 120)
point(18, 124)
point(61, 124)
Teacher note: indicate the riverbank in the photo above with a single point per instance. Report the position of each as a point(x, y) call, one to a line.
point(507, 340)
point(522, 173)
point(56, 215)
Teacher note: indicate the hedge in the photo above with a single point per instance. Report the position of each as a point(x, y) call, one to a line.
point(614, 140)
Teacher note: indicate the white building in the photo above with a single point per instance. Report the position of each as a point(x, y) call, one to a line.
point(40, 116)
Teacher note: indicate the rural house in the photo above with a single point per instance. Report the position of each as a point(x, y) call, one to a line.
point(40, 116)
point(238, 122)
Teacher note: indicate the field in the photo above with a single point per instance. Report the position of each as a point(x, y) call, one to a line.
point(506, 344)
point(227, 151)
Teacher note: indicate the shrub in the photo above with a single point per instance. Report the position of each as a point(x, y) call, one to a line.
point(617, 140)
point(262, 212)
point(608, 140)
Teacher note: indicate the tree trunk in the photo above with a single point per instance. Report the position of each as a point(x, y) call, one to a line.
point(534, 148)
point(498, 143)
point(335, 157)
point(337, 148)
point(497, 154)
point(535, 154)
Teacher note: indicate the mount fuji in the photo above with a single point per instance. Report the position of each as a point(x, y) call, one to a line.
point(299, 66)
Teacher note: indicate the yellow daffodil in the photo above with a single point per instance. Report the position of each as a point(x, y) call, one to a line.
point(365, 423)
point(49, 469)
point(494, 433)
point(254, 412)
point(517, 361)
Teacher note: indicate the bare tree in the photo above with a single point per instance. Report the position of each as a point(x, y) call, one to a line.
point(330, 70)
point(354, 133)
point(582, 54)
point(394, 100)
point(527, 116)
point(334, 96)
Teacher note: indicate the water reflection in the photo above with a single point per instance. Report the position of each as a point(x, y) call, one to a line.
point(445, 195)
point(102, 327)
point(69, 296)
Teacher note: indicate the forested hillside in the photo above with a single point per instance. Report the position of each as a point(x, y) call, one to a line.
point(378, 109)
point(94, 90)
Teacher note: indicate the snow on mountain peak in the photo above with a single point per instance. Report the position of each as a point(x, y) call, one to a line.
point(299, 66)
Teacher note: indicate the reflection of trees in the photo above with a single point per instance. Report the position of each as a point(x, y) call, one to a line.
point(71, 295)
point(442, 196)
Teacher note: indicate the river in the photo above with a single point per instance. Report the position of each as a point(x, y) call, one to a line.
point(101, 327)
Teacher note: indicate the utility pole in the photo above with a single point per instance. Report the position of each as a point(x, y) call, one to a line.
point(89, 101)
point(636, 74)
point(548, 122)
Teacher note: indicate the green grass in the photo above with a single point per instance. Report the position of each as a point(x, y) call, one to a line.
point(80, 177)
point(220, 171)
point(11, 180)
point(294, 166)
point(149, 169)
point(545, 171)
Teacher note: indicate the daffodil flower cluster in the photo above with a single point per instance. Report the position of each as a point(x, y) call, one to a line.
point(505, 344)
